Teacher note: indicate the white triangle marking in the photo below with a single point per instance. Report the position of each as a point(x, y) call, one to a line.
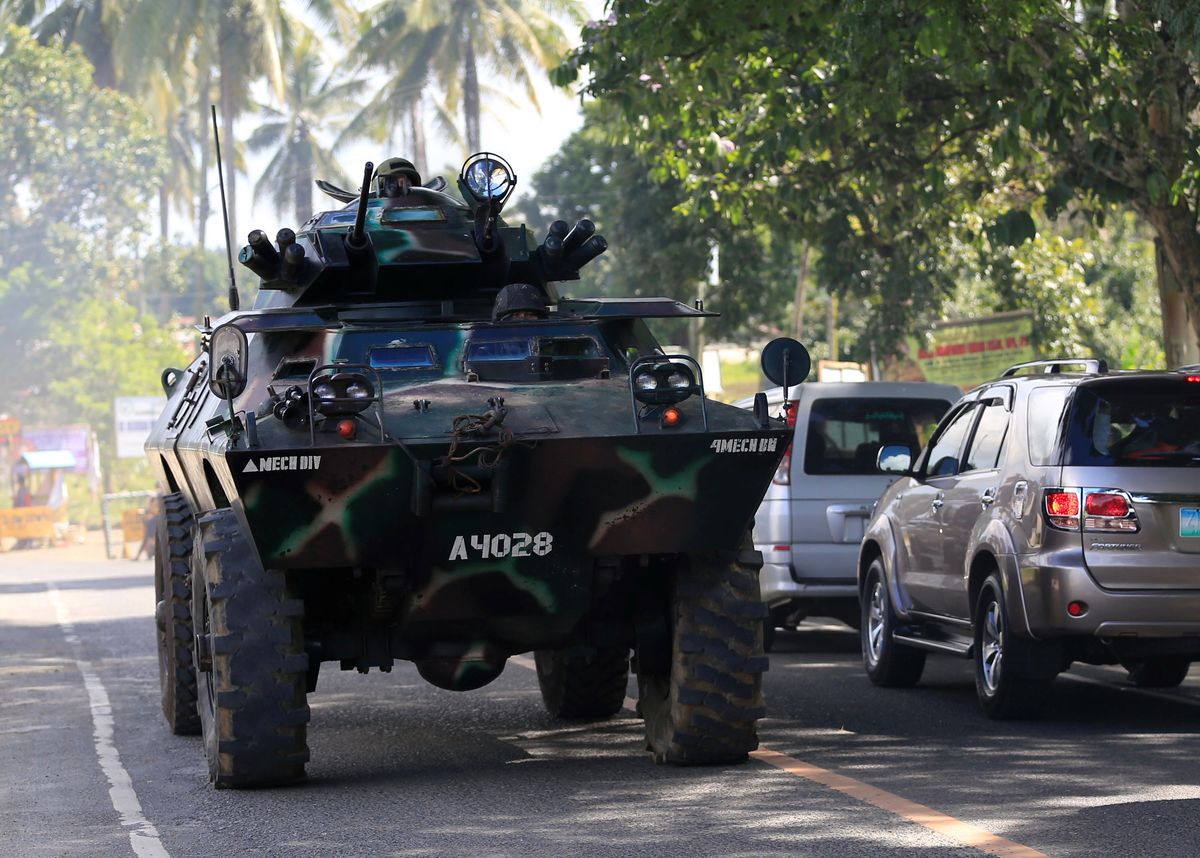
point(250, 468)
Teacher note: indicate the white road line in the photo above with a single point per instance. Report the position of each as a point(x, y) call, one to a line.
point(143, 836)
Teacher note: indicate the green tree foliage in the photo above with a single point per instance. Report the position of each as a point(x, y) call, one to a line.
point(654, 249)
point(876, 127)
point(78, 166)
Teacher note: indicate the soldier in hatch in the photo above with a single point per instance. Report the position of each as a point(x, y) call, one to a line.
point(518, 302)
point(395, 177)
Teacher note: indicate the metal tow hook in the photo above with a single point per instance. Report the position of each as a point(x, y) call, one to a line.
point(204, 653)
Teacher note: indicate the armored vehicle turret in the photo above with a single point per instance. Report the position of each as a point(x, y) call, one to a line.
point(415, 447)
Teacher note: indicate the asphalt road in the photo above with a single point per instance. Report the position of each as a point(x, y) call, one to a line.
point(88, 767)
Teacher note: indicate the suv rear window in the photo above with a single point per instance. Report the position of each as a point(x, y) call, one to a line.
point(844, 435)
point(1135, 423)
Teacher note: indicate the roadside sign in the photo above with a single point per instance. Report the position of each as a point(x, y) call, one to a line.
point(135, 416)
point(9, 427)
point(972, 351)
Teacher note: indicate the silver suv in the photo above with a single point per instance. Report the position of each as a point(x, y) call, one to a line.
point(1053, 517)
point(812, 519)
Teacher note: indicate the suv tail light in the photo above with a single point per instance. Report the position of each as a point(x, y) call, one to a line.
point(783, 474)
point(1062, 508)
point(1103, 510)
point(1109, 511)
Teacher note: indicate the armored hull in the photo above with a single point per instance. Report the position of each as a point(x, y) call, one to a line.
point(397, 475)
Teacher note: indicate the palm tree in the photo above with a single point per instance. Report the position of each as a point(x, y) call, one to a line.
point(443, 42)
point(91, 24)
point(308, 105)
point(229, 42)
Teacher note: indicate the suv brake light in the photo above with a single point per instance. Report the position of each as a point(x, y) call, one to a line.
point(1106, 511)
point(1109, 511)
point(783, 474)
point(1062, 508)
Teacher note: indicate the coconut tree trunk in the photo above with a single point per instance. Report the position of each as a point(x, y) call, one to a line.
point(471, 97)
point(417, 136)
point(203, 209)
point(164, 211)
point(304, 195)
point(229, 153)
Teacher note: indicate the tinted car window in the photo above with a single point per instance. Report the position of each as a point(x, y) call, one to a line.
point(1136, 423)
point(989, 438)
point(943, 458)
point(1045, 412)
point(844, 435)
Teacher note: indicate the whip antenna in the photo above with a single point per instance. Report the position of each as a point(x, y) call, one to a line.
point(234, 303)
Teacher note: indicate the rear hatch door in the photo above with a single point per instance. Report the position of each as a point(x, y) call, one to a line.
point(1139, 436)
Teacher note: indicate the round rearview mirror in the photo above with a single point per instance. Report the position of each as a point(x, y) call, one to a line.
point(227, 361)
point(785, 362)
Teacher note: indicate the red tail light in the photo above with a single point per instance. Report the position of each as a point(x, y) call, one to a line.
point(1109, 511)
point(1062, 503)
point(1193, 378)
point(1111, 505)
point(1062, 508)
point(783, 474)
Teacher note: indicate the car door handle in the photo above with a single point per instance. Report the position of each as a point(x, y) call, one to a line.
point(988, 498)
point(938, 501)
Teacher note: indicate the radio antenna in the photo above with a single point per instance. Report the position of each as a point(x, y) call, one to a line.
point(234, 303)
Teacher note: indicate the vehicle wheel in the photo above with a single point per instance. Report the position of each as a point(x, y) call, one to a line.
point(582, 686)
point(703, 707)
point(888, 664)
point(1003, 689)
point(250, 661)
point(1164, 671)
point(173, 615)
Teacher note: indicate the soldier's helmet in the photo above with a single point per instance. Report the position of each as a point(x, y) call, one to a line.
point(390, 174)
point(520, 298)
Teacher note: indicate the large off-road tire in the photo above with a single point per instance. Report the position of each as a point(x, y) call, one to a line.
point(250, 661)
point(173, 615)
point(1163, 671)
point(702, 709)
point(888, 664)
point(1005, 663)
point(582, 685)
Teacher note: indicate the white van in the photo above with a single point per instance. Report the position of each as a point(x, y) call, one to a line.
point(813, 516)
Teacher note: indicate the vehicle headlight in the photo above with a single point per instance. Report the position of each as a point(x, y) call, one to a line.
point(342, 394)
point(488, 177)
point(645, 381)
point(665, 383)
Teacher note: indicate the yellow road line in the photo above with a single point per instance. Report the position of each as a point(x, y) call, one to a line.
point(947, 826)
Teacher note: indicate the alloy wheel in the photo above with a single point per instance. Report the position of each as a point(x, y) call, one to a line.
point(992, 647)
point(876, 627)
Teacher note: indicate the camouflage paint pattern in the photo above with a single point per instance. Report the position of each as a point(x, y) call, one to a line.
point(491, 560)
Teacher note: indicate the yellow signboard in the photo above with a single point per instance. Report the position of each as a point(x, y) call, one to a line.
point(27, 522)
point(9, 427)
point(971, 352)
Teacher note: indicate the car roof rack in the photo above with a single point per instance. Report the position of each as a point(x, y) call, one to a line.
point(1053, 367)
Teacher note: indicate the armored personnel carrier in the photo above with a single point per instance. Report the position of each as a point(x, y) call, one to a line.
point(414, 447)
